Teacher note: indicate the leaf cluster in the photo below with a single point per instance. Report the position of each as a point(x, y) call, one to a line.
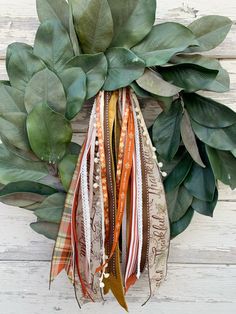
point(83, 46)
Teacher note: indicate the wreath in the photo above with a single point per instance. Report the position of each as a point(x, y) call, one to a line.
point(113, 204)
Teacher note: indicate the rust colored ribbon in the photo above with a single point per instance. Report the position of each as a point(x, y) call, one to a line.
point(125, 176)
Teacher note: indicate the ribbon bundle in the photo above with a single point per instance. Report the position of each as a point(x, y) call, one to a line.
point(115, 223)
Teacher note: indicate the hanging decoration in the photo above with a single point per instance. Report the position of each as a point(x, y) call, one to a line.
point(113, 204)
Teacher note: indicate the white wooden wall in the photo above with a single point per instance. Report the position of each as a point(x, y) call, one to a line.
point(202, 264)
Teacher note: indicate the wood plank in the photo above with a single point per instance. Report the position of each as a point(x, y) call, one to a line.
point(206, 240)
point(18, 20)
point(208, 287)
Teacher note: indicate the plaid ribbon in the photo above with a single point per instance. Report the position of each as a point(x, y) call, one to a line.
point(62, 254)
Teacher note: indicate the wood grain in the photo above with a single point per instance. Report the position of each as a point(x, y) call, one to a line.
point(211, 285)
point(206, 240)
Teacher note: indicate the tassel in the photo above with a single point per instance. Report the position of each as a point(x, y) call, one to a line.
point(116, 203)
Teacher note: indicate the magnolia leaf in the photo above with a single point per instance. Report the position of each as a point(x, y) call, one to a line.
point(189, 77)
point(25, 154)
point(74, 81)
point(166, 131)
point(53, 45)
point(164, 41)
point(48, 229)
point(53, 10)
point(189, 139)
point(22, 64)
point(170, 165)
point(51, 209)
point(208, 112)
point(177, 176)
point(22, 199)
point(27, 187)
point(223, 165)
point(181, 225)
point(66, 169)
point(124, 67)
point(131, 15)
point(11, 100)
point(163, 102)
point(72, 33)
point(14, 168)
point(74, 149)
point(49, 133)
point(210, 31)
point(205, 208)
point(152, 82)
point(222, 80)
point(200, 182)
point(95, 68)
point(52, 181)
point(93, 24)
point(139, 91)
point(5, 83)
point(223, 139)
point(178, 202)
point(45, 87)
point(12, 128)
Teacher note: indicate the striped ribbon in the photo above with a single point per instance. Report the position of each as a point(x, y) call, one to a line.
point(116, 186)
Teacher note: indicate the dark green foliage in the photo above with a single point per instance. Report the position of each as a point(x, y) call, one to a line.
point(84, 46)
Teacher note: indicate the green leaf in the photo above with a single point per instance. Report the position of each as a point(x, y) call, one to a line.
point(189, 77)
point(210, 31)
point(177, 176)
point(152, 82)
point(11, 100)
point(95, 68)
point(200, 182)
point(223, 139)
point(208, 112)
point(25, 154)
point(45, 87)
point(222, 80)
point(66, 170)
point(49, 133)
point(124, 67)
point(132, 19)
point(5, 83)
point(74, 82)
point(12, 128)
point(182, 224)
point(178, 202)
point(74, 149)
point(22, 199)
point(48, 229)
point(166, 131)
point(72, 33)
point(22, 65)
point(53, 10)
point(164, 41)
point(51, 209)
point(170, 165)
point(204, 207)
point(27, 187)
point(93, 24)
point(53, 45)
point(14, 168)
point(223, 165)
point(189, 139)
